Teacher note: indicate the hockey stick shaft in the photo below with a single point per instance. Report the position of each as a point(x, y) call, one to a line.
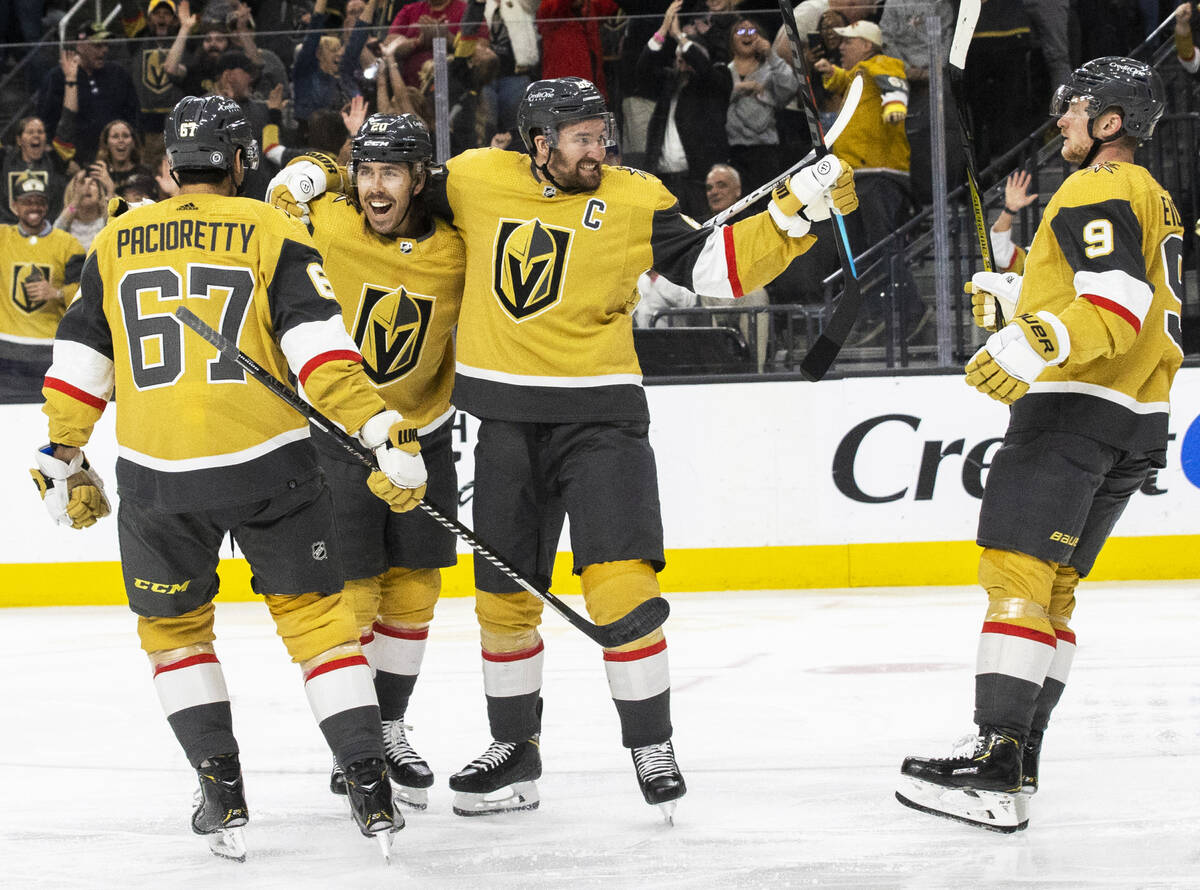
point(643, 619)
point(820, 357)
point(847, 111)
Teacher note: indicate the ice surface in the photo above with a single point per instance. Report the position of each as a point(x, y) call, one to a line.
point(792, 712)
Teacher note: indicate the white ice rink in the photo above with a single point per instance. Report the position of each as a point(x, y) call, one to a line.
point(792, 712)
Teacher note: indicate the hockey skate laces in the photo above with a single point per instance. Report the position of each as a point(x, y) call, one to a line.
point(495, 755)
point(653, 761)
point(395, 742)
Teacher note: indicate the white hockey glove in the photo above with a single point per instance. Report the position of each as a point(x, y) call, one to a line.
point(990, 290)
point(825, 185)
point(401, 477)
point(1014, 356)
point(305, 178)
point(72, 491)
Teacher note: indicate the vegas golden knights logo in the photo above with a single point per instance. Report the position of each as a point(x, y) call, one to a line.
point(14, 175)
point(21, 271)
point(154, 73)
point(529, 259)
point(390, 330)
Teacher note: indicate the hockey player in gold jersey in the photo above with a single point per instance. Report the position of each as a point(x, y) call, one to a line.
point(398, 275)
point(39, 272)
point(203, 451)
point(555, 243)
point(1086, 361)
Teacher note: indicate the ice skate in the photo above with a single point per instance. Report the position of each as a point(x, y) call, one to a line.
point(337, 779)
point(221, 806)
point(500, 780)
point(410, 774)
point(979, 784)
point(659, 777)
point(369, 794)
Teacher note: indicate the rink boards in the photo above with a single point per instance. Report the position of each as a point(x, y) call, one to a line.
point(766, 485)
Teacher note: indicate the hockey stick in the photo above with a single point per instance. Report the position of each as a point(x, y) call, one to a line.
point(968, 15)
point(847, 111)
point(820, 356)
point(643, 619)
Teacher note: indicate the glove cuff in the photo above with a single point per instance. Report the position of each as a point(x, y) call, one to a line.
point(374, 433)
point(794, 225)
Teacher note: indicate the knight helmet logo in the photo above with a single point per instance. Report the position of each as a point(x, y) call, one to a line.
point(390, 330)
point(529, 262)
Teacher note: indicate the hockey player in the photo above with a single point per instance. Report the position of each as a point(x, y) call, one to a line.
point(1086, 362)
point(204, 452)
point(555, 243)
point(398, 275)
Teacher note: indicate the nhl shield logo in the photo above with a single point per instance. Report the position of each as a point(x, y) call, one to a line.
point(390, 331)
point(529, 262)
point(319, 552)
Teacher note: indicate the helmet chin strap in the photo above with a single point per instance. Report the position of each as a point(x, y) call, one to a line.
point(1097, 143)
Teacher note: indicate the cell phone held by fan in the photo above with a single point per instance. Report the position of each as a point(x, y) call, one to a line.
point(816, 46)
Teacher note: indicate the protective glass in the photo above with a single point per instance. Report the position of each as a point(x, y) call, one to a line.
point(1065, 95)
point(585, 141)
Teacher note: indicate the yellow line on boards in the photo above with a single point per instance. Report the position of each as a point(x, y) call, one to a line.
point(737, 568)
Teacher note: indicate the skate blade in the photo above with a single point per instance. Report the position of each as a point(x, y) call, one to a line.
point(993, 810)
point(228, 843)
point(668, 811)
point(413, 798)
point(510, 799)
point(386, 839)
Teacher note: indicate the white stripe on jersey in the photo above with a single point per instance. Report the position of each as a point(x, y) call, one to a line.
point(436, 422)
point(1102, 392)
point(309, 339)
point(1118, 286)
point(560, 382)
point(27, 341)
point(187, 464)
point(710, 274)
point(82, 367)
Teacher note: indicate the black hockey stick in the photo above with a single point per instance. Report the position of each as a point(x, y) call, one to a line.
point(643, 619)
point(968, 15)
point(820, 356)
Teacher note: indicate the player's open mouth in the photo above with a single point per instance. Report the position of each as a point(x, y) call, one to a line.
point(378, 207)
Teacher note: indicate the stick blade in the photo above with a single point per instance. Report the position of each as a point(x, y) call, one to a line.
point(964, 30)
point(645, 618)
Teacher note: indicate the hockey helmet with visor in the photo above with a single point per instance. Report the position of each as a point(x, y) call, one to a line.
point(1115, 82)
point(205, 133)
point(549, 104)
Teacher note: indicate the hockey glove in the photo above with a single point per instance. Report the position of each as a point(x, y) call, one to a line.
point(401, 477)
point(305, 178)
point(824, 185)
point(72, 491)
point(989, 290)
point(894, 113)
point(1014, 356)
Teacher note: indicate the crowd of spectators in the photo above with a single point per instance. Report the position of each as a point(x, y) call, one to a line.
point(697, 85)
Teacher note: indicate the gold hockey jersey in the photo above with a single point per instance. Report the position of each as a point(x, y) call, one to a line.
point(546, 328)
point(400, 299)
point(193, 430)
point(1107, 259)
point(58, 256)
point(869, 143)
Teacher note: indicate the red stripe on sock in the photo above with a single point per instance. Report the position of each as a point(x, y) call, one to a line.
point(1116, 309)
point(334, 355)
point(1012, 630)
point(190, 661)
point(731, 263)
point(400, 633)
point(75, 392)
point(636, 654)
point(1067, 636)
point(513, 656)
point(366, 638)
point(349, 661)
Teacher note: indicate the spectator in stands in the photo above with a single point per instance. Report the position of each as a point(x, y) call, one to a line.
point(998, 86)
point(20, 22)
point(1186, 23)
point(270, 68)
point(1007, 254)
point(514, 40)
point(119, 151)
point(152, 36)
point(235, 76)
point(32, 154)
point(323, 75)
point(138, 189)
point(85, 210)
point(97, 91)
point(1050, 21)
point(571, 39)
point(40, 273)
point(196, 73)
point(710, 24)
point(414, 27)
point(762, 84)
point(875, 145)
point(681, 144)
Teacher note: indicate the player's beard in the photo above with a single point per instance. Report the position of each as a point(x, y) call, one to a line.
point(585, 177)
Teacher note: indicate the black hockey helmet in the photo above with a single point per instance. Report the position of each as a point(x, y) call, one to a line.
point(1115, 82)
point(204, 133)
point(548, 104)
point(392, 139)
